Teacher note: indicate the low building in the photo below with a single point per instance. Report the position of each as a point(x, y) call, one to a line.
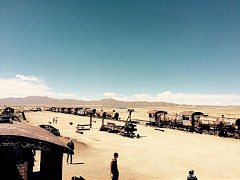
point(18, 141)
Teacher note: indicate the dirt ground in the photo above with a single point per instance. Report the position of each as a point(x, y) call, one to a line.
point(156, 155)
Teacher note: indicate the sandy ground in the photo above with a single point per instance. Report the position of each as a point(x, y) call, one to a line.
point(156, 155)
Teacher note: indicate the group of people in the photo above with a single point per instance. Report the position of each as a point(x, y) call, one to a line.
point(114, 167)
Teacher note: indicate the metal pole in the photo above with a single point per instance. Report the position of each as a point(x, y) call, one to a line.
point(91, 120)
point(102, 120)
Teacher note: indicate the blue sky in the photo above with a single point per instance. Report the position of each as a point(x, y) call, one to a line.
point(127, 48)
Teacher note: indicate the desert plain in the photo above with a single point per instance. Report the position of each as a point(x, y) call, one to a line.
point(155, 155)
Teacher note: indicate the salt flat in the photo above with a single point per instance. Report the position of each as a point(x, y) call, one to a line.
point(156, 155)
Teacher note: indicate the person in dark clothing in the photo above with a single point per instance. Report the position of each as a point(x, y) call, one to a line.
point(70, 144)
point(191, 175)
point(114, 168)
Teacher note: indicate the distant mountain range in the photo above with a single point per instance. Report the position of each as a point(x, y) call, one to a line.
point(47, 101)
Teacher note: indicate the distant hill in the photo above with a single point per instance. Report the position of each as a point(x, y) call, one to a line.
point(47, 101)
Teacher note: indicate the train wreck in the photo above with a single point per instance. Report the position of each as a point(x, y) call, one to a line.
point(128, 130)
point(9, 113)
point(81, 111)
point(196, 122)
point(191, 121)
point(51, 129)
point(155, 117)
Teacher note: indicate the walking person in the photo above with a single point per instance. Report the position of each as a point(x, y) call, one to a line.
point(114, 168)
point(191, 175)
point(70, 144)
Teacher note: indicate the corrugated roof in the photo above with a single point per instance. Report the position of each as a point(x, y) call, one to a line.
point(33, 133)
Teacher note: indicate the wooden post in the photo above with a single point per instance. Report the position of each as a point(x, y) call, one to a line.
point(51, 165)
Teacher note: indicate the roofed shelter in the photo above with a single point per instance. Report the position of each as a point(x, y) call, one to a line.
point(17, 143)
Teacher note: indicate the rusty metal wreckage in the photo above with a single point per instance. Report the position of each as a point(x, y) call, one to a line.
point(128, 130)
point(81, 111)
point(196, 122)
point(190, 121)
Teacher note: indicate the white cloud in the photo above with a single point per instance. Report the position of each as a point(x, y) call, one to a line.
point(199, 99)
point(66, 95)
point(142, 97)
point(121, 98)
point(183, 98)
point(109, 94)
point(116, 96)
point(22, 86)
point(27, 78)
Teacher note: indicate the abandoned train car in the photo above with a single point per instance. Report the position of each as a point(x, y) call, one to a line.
point(189, 119)
point(90, 112)
point(100, 114)
point(9, 114)
point(155, 117)
point(196, 122)
point(112, 115)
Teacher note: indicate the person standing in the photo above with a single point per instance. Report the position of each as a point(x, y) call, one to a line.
point(114, 168)
point(70, 144)
point(191, 175)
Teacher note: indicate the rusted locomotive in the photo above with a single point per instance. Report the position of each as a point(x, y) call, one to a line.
point(163, 119)
point(36, 109)
point(70, 110)
point(128, 130)
point(86, 112)
point(53, 109)
point(90, 112)
point(196, 122)
point(83, 112)
point(112, 115)
point(9, 114)
point(156, 117)
point(63, 110)
point(190, 119)
point(77, 110)
point(100, 114)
